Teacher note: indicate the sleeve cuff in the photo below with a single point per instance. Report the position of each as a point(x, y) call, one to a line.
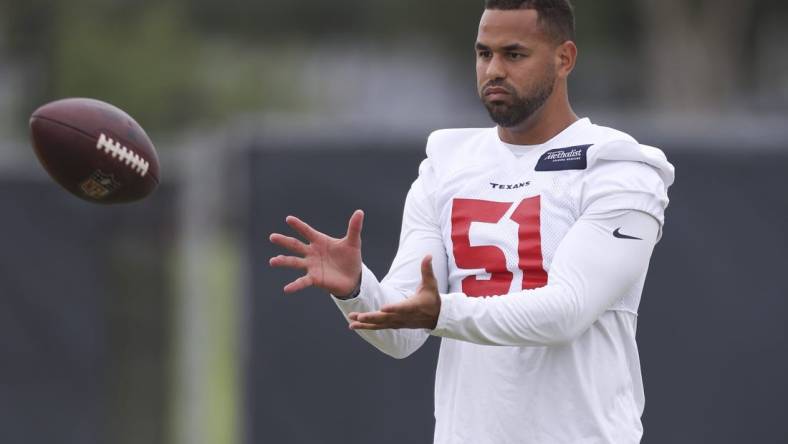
point(362, 301)
point(449, 314)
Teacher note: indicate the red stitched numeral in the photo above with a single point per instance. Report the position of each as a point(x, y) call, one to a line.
point(529, 248)
point(490, 258)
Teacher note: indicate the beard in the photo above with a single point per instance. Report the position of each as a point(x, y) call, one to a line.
point(519, 108)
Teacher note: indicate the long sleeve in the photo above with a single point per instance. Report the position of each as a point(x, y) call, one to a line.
point(595, 265)
point(419, 237)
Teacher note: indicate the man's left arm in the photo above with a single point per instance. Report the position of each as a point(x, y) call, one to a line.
point(598, 261)
point(592, 270)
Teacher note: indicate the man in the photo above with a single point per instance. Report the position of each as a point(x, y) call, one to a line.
point(525, 247)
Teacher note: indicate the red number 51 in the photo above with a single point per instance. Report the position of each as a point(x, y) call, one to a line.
point(492, 259)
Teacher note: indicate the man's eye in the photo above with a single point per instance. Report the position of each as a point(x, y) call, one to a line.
point(516, 56)
point(485, 54)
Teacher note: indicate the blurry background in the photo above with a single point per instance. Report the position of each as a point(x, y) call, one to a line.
point(160, 322)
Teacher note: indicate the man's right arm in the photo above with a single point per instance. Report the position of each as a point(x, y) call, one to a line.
point(420, 236)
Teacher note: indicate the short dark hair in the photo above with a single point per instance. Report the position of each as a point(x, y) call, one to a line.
point(556, 16)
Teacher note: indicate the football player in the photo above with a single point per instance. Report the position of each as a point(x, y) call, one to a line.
point(524, 246)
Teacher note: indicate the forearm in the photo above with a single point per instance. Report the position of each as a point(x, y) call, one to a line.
point(373, 295)
point(591, 270)
point(420, 236)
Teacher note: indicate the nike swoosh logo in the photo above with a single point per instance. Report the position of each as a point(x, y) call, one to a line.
point(617, 233)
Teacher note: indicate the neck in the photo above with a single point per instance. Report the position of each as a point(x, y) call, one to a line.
point(547, 122)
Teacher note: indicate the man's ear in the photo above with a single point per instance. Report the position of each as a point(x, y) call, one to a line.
point(566, 58)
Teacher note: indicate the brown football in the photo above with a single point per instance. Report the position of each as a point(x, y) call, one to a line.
point(94, 150)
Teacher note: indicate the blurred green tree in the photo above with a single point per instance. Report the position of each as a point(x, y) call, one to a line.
point(177, 63)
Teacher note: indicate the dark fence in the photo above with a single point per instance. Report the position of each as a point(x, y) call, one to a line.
point(84, 317)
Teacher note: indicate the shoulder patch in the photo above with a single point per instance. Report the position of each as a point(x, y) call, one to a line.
point(569, 158)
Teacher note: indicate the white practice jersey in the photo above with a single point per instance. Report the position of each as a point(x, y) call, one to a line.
point(538, 341)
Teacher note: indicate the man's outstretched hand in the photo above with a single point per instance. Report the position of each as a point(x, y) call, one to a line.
point(329, 263)
point(419, 311)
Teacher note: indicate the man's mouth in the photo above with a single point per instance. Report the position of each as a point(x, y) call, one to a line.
point(494, 94)
point(496, 91)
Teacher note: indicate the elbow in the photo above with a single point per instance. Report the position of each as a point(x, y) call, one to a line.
point(400, 349)
point(398, 354)
point(571, 321)
point(565, 335)
point(566, 330)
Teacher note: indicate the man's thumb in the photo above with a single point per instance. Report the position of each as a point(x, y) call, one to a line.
point(354, 228)
point(427, 276)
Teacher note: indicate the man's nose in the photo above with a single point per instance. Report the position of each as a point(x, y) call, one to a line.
point(496, 69)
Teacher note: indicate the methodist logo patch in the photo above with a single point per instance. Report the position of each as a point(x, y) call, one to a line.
point(570, 158)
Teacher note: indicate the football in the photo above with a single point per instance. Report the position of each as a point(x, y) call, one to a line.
point(94, 150)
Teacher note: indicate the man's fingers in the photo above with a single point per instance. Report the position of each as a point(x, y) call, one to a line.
point(290, 243)
point(376, 317)
point(354, 227)
point(375, 320)
point(302, 228)
point(364, 326)
point(298, 284)
point(288, 261)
